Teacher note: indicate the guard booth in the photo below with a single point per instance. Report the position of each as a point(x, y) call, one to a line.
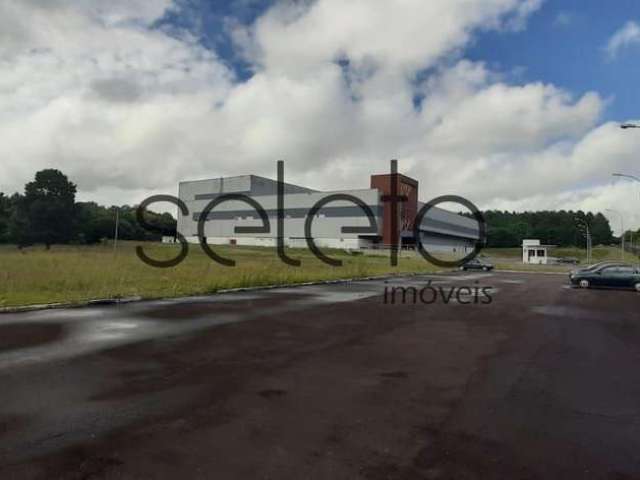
point(533, 252)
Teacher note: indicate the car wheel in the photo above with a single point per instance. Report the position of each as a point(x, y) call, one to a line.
point(485, 269)
point(584, 284)
point(637, 287)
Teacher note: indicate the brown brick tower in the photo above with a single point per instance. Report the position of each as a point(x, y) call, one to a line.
point(407, 211)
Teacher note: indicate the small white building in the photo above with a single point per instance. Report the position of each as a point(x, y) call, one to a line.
point(533, 252)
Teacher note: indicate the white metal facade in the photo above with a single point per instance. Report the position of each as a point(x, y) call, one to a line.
point(298, 201)
point(441, 230)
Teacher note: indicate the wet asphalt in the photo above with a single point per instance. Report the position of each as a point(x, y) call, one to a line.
point(498, 375)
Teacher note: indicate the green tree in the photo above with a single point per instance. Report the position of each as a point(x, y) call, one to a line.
point(508, 229)
point(5, 216)
point(46, 212)
point(601, 230)
point(94, 222)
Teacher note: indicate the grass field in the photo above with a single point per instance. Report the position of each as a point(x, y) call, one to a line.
point(79, 273)
point(73, 274)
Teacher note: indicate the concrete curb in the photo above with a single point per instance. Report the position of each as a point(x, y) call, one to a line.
point(534, 272)
point(57, 306)
point(120, 301)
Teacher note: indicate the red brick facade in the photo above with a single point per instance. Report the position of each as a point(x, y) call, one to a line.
point(407, 211)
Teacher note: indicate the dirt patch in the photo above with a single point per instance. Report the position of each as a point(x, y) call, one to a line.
point(17, 336)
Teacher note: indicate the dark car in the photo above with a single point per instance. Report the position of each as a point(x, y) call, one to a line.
point(477, 264)
point(596, 266)
point(607, 275)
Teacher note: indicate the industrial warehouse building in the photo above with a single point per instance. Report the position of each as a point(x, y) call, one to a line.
point(441, 230)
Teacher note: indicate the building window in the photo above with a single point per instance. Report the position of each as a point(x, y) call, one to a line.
point(541, 253)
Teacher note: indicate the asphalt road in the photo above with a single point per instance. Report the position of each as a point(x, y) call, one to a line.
point(330, 382)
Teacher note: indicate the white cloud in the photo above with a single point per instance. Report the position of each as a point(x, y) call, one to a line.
point(127, 110)
point(401, 35)
point(626, 36)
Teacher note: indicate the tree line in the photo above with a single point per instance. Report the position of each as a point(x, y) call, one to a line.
point(563, 228)
point(47, 213)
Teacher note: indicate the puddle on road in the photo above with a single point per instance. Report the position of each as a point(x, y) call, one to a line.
point(18, 336)
point(187, 310)
point(555, 310)
point(112, 330)
point(571, 312)
point(466, 277)
point(51, 335)
point(335, 293)
point(108, 327)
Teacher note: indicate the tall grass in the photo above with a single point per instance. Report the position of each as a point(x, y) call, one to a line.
point(79, 273)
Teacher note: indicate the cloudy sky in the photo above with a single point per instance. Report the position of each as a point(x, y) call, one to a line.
point(512, 103)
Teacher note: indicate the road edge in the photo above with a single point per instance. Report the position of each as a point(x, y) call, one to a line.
point(124, 300)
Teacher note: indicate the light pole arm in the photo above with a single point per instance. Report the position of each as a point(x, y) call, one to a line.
point(624, 175)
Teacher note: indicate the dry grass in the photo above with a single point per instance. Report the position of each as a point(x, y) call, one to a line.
point(79, 273)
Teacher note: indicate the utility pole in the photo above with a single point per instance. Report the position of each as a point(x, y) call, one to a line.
point(115, 233)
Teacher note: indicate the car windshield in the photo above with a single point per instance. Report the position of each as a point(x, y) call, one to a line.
point(598, 266)
point(614, 268)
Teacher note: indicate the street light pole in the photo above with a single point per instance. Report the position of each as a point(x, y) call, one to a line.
point(632, 177)
point(588, 236)
point(624, 175)
point(621, 231)
point(626, 126)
